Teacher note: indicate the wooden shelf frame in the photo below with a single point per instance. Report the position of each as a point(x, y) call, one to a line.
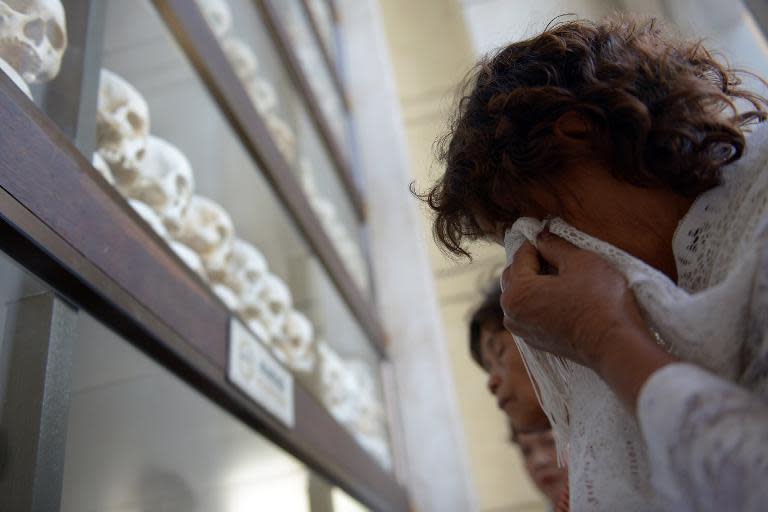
point(64, 223)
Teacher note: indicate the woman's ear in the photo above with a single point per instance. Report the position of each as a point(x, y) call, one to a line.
point(572, 128)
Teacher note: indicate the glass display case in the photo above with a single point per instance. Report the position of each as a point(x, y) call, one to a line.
point(173, 179)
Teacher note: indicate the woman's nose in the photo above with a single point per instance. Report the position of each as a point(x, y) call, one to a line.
point(494, 381)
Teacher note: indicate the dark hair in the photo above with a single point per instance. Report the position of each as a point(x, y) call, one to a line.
point(661, 113)
point(488, 315)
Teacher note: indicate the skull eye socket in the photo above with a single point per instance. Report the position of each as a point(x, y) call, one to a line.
point(221, 231)
point(135, 121)
point(35, 30)
point(181, 184)
point(55, 35)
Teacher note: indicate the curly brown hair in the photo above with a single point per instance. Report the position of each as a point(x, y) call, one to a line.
point(661, 111)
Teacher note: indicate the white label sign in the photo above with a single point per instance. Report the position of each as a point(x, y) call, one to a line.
point(253, 369)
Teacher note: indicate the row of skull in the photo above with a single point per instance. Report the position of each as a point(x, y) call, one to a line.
point(333, 226)
point(309, 55)
point(245, 63)
point(350, 395)
point(33, 39)
point(157, 180)
point(347, 385)
point(241, 56)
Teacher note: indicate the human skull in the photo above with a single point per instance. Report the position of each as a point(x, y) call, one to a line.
point(15, 78)
point(307, 179)
point(122, 125)
point(283, 136)
point(207, 228)
point(268, 304)
point(103, 167)
point(246, 267)
point(33, 37)
point(349, 252)
point(338, 234)
point(369, 412)
point(241, 57)
point(294, 346)
point(355, 263)
point(255, 325)
point(262, 95)
point(217, 14)
point(227, 296)
point(189, 257)
point(335, 384)
point(325, 210)
point(150, 217)
point(162, 179)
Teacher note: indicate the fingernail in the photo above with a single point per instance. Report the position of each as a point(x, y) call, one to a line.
point(544, 235)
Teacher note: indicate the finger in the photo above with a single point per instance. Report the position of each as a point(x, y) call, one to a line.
point(516, 326)
point(510, 325)
point(525, 261)
point(555, 250)
point(516, 281)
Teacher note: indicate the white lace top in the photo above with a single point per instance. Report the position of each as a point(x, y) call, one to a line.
point(700, 440)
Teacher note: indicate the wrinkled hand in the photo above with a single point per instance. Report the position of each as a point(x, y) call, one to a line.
point(581, 313)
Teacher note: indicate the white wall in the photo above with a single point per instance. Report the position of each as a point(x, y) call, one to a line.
point(726, 27)
point(493, 23)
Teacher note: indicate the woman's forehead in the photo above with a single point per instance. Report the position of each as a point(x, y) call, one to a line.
point(491, 340)
point(489, 336)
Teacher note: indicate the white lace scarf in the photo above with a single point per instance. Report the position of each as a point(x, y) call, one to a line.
point(701, 320)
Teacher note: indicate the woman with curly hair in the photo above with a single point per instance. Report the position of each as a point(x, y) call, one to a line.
point(626, 173)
